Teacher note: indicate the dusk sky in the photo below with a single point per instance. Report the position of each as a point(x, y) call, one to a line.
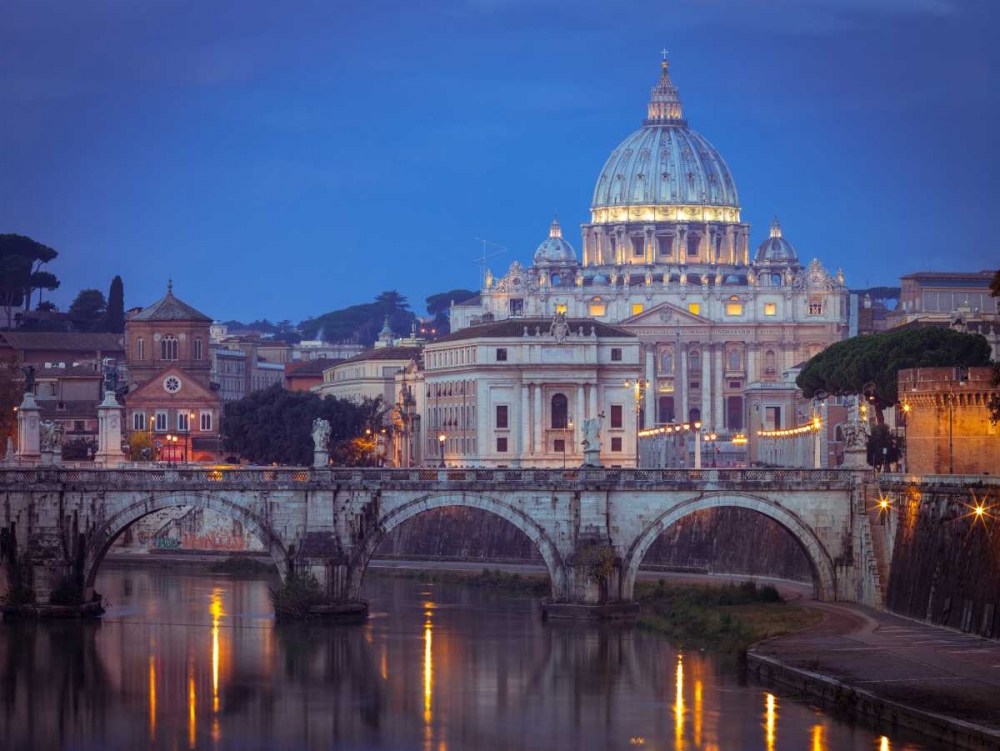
point(281, 160)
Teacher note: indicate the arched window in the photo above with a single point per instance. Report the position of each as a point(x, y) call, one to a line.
point(168, 347)
point(694, 361)
point(555, 280)
point(734, 360)
point(694, 414)
point(775, 280)
point(667, 361)
point(560, 412)
point(140, 349)
point(666, 409)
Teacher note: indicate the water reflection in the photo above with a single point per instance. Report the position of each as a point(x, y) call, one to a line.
point(197, 662)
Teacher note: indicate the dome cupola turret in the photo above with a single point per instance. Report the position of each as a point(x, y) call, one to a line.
point(555, 250)
point(776, 250)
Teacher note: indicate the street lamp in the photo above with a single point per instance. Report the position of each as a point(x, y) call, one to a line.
point(638, 385)
point(569, 427)
point(441, 440)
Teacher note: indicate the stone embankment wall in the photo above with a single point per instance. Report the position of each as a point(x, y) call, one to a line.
point(946, 560)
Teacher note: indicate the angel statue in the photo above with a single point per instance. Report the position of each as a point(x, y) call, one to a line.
point(320, 434)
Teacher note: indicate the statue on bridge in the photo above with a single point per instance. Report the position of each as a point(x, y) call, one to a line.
point(592, 441)
point(52, 434)
point(321, 441)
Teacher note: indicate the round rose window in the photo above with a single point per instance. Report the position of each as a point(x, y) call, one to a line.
point(171, 384)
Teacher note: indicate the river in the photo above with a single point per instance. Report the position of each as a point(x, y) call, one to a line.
point(186, 661)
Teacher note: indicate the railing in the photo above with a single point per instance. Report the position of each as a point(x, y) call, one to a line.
point(373, 478)
point(897, 479)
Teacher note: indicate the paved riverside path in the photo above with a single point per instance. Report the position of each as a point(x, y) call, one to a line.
point(923, 666)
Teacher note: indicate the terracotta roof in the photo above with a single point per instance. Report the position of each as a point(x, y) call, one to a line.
point(384, 353)
point(512, 327)
point(311, 367)
point(56, 340)
point(169, 308)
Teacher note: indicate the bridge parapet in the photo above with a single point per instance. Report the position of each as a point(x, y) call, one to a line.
point(418, 478)
point(894, 481)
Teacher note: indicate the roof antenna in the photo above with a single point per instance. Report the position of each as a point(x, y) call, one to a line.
point(482, 258)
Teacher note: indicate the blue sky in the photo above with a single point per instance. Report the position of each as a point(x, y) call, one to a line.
point(285, 159)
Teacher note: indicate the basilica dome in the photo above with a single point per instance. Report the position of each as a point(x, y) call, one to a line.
point(555, 249)
point(776, 250)
point(665, 163)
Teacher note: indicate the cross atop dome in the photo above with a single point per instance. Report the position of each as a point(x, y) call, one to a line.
point(775, 227)
point(664, 104)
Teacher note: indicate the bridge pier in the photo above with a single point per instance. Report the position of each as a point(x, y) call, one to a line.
point(592, 591)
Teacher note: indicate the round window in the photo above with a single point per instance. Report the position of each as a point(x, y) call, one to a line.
point(172, 384)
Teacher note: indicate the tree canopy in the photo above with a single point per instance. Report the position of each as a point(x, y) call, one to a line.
point(361, 323)
point(845, 367)
point(439, 306)
point(21, 260)
point(88, 309)
point(275, 425)
point(114, 315)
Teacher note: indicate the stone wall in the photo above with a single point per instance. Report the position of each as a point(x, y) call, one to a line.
point(187, 529)
point(946, 563)
point(719, 540)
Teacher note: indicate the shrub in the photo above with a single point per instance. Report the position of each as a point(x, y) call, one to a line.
point(296, 596)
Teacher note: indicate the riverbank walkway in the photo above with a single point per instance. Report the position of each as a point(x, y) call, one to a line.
point(925, 667)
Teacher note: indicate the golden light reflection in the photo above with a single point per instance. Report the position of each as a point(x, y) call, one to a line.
point(192, 706)
point(217, 611)
point(697, 713)
point(883, 744)
point(679, 704)
point(428, 671)
point(152, 698)
point(770, 721)
point(818, 743)
point(384, 663)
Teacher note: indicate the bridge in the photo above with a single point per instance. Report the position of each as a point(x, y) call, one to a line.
point(592, 526)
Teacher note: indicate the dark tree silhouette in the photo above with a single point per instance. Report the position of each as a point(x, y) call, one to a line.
point(21, 260)
point(114, 316)
point(88, 309)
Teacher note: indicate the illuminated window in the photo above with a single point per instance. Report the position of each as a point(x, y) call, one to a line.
point(694, 307)
point(734, 308)
point(597, 309)
point(561, 308)
point(770, 308)
point(815, 306)
point(637, 308)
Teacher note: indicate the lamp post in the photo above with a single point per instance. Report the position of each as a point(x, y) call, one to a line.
point(697, 444)
point(638, 386)
point(569, 426)
point(441, 441)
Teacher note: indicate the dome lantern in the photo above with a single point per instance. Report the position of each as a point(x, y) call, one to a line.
point(555, 250)
point(664, 105)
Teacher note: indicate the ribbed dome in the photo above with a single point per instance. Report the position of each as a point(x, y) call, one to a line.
point(665, 162)
point(555, 250)
point(776, 249)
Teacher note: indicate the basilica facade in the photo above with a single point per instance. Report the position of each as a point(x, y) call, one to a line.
point(667, 257)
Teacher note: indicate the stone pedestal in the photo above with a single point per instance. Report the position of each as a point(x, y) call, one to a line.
point(109, 431)
point(29, 434)
point(320, 458)
point(591, 457)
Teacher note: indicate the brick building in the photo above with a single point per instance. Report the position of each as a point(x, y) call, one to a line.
point(170, 391)
point(947, 426)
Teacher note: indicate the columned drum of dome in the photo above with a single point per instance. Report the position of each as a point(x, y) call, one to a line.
point(665, 195)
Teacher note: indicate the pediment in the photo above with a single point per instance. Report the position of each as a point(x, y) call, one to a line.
point(155, 387)
point(664, 314)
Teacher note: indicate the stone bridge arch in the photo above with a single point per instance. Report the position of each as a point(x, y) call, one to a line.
point(824, 573)
point(394, 517)
point(100, 539)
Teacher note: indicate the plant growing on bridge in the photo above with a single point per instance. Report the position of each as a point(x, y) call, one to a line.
point(843, 369)
point(296, 597)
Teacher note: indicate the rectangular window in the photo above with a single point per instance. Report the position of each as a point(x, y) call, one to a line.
point(197, 348)
point(772, 418)
point(140, 349)
point(616, 443)
point(502, 416)
point(734, 308)
point(78, 426)
point(597, 309)
point(138, 421)
point(616, 416)
point(695, 384)
point(183, 425)
point(517, 307)
point(161, 421)
point(770, 308)
point(501, 444)
point(734, 412)
point(206, 421)
point(501, 354)
point(637, 308)
point(695, 308)
point(616, 354)
point(638, 247)
point(559, 445)
point(736, 384)
point(664, 244)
